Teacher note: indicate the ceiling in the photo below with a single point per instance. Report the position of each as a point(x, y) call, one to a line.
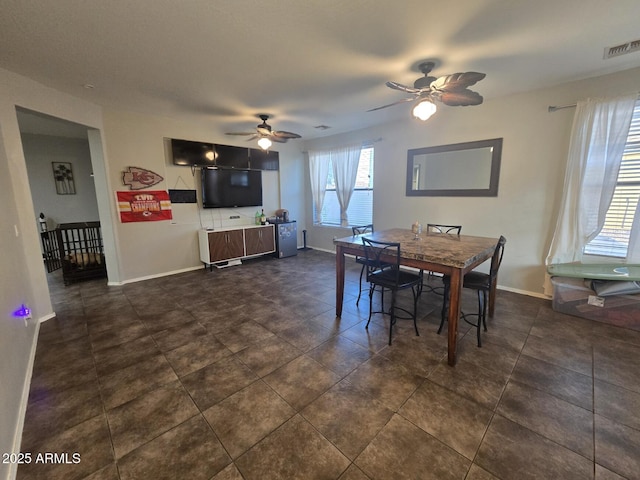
point(307, 63)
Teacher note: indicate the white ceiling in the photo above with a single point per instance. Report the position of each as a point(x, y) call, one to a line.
point(305, 62)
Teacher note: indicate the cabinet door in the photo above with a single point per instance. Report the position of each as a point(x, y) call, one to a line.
point(260, 240)
point(225, 245)
point(235, 243)
point(261, 160)
point(230, 156)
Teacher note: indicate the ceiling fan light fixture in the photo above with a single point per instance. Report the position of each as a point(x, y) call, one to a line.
point(424, 110)
point(264, 143)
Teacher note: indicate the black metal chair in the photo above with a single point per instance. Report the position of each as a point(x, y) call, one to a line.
point(360, 230)
point(451, 229)
point(482, 283)
point(383, 270)
point(435, 228)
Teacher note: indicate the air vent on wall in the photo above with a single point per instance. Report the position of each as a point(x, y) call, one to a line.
point(623, 49)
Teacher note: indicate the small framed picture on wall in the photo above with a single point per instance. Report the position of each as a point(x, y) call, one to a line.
point(63, 177)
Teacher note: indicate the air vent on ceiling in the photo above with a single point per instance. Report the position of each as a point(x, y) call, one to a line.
point(623, 49)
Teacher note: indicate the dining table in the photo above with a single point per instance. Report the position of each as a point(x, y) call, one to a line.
point(450, 254)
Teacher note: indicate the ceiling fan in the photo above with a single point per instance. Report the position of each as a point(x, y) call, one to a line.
point(265, 134)
point(448, 89)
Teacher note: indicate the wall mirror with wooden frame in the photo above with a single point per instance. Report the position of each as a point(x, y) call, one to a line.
point(470, 169)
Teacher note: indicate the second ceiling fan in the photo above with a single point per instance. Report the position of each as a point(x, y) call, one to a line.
point(448, 89)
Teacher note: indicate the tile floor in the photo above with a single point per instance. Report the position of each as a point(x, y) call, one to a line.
point(245, 373)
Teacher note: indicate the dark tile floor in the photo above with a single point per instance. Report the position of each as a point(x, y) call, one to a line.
point(245, 373)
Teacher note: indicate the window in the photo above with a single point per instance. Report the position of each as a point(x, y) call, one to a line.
point(613, 239)
point(360, 211)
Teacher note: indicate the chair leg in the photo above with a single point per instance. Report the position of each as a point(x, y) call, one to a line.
point(393, 314)
point(371, 289)
point(416, 294)
point(484, 310)
point(360, 290)
point(480, 309)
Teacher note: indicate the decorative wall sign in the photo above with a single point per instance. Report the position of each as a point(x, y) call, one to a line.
point(139, 178)
point(183, 196)
point(63, 176)
point(149, 206)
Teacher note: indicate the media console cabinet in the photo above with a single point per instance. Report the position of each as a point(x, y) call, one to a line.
point(227, 247)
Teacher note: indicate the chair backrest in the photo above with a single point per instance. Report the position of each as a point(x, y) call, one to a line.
point(375, 251)
point(359, 230)
point(437, 228)
point(496, 260)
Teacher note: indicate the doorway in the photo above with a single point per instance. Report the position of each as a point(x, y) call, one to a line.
point(61, 178)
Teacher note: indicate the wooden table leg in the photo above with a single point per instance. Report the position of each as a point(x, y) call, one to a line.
point(339, 280)
point(455, 292)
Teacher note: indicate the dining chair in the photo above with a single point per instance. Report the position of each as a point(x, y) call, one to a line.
point(383, 270)
point(482, 283)
point(360, 230)
point(435, 228)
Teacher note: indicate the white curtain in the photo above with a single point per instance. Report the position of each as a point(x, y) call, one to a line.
point(318, 171)
point(345, 169)
point(598, 138)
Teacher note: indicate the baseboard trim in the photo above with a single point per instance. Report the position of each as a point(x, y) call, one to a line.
point(524, 292)
point(150, 277)
point(322, 250)
point(47, 317)
point(17, 438)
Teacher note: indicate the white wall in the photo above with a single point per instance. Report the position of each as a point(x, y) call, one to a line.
point(531, 177)
point(39, 152)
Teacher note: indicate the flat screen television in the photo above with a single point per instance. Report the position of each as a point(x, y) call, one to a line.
point(231, 187)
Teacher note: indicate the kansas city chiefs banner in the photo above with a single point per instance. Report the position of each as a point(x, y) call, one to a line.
point(149, 206)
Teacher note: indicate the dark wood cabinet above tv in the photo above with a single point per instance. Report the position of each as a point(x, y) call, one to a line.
point(198, 154)
point(261, 160)
point(230, 156)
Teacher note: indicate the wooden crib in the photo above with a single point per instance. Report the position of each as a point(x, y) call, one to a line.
point(81, 251)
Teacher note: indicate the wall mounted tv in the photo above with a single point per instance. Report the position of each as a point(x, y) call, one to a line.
point(231, 187)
